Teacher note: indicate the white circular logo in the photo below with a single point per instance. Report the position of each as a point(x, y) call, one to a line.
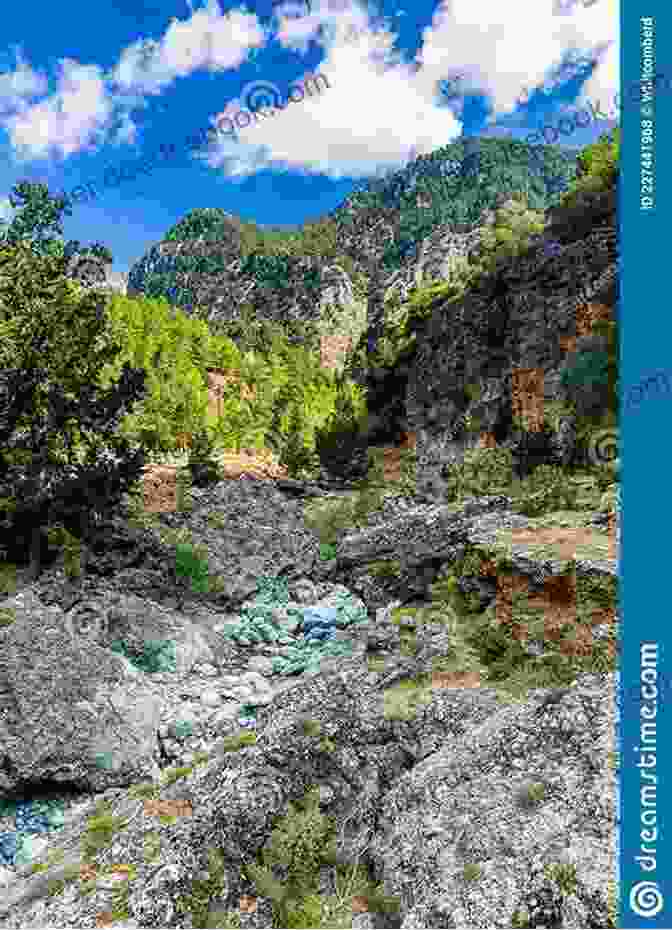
point(646, 899)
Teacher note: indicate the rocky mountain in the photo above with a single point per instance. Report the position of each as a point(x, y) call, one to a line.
point(298, 703)
point(204, 260)
point(500, 351)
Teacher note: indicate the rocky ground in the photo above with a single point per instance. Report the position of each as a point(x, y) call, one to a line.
point(459, 726)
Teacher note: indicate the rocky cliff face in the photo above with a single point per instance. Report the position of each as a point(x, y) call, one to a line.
point(91, 271)
point(278, 288)
point(498, 352)
point(412, 224)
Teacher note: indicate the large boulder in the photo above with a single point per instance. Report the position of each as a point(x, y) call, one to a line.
point(460, 783)
point(72, 711)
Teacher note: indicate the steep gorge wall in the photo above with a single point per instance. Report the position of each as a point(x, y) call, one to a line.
point(507, 339)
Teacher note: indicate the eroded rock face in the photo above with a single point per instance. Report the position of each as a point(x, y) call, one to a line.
point(301, 289)
point(508, 340)
point(379, 762)
point(416, 799)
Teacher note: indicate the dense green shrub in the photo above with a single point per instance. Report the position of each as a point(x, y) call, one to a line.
point(545, 490)
point(597, 168)
point(299, 844)
point(189, 564)
point(202, 465)
point(481, 472)
point(296, 456)
point(61, 458)
point(511, 232)
point(342, 444)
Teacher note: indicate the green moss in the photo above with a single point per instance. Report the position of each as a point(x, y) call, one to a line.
point(311, 727)
point(389, 569)
point(167, 820)
point(376, 664)
point(403, 701)
point(56, 887)
point(151, 844)
point(217, 584)
point(531, 794)
point(520, 920)
point(100, 831)
point(239, 741)
point(7, 616)
point(172, 775)
point(8, 575)
point(564, 876)
point(612, 905)
point(471, 872)
point(144, 790)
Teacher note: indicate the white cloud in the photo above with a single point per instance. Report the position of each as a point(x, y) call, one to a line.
point(207, 40)
point(19, 84)
point(378, 106)
point(503, 48)
point(7, 212)
point(67, 121)
point(375, 109)
point(87, 103)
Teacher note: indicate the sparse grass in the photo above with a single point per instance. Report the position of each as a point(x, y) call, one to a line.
point(169, 776)
point(564, 876)
point(100, 830)
point(471, 872)
point(531, 794)
point(237, 741)
point(520, 920)
point(385, 569)
point(403, 700)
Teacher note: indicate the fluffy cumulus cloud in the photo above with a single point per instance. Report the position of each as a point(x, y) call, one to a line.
point(374, 106)
point(365, 109)
point(89, 108)
point(208, 40)
point(19, 85)
point(507, 50)
point(67, 121)
point(379, 106)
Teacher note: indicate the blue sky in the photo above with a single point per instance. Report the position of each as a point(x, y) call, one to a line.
point(86, 88)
